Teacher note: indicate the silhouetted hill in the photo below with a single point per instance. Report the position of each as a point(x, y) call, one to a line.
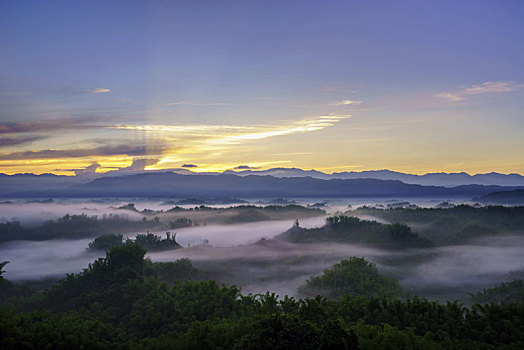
point(170, 184)
point(31, 182)
point(504, 197)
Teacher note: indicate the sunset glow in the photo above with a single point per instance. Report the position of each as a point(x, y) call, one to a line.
point(329, 86)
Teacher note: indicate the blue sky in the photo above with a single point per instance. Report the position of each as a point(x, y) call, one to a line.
point(334, 85)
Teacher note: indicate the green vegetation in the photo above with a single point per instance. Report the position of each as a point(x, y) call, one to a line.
point(505, 292)
point(350, 229)
point(455, 225)
point(354, 276)
point(182, 222)
point(181, 269)
point(272, 208)
point(118, 303)
point(72, 227)
point(106, 242)
point(151, 241)
point(148, 241)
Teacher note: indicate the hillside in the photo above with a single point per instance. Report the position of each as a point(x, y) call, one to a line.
point(514, 197)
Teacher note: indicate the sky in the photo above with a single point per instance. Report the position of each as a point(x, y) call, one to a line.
point(411, 86)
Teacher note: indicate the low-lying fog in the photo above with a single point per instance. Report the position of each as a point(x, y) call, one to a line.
point(32, 260)
point(235, 254)
point(233, 235)
point(35, 211)
point(440, 273)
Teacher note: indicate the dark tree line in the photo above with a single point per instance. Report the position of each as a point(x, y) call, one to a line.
point(350, 229)
point(455, 225)
point(72, 227)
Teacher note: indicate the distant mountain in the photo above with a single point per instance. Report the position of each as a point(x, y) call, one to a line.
point(514, 197)
point(32, 182)
point(170, 184)
point(47, 185)
point(283, 172)
point(430, 179)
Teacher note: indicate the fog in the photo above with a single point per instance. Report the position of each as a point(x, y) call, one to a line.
point(247, 255)
point(456, 271)
point(31, 212)
point(34, 260)
point(470, 264)
point(268, 265)
point(271, 265)
point(232, 235)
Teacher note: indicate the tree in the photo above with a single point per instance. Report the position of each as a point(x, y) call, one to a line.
point(354, 276)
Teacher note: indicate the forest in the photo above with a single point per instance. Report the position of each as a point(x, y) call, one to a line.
point(351, 283)
point(445, 226)
point(125, 301)
point(343, 228)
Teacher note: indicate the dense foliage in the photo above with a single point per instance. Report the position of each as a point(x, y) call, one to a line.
point(148, 240)
point(179, 270)
point(117, 302)
point(505, 292)
point(349, 229)
point(107, 241)
point(457, 224)
point(151, 241)
point(72, 227)
point(354, 276)
point(268, 208)
point(182, 222)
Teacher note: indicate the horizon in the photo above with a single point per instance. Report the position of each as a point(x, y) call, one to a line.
point(253, 170)
point(416, 87)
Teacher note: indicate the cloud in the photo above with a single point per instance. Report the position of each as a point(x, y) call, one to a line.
point(89, 170)
point(168, 142)
point(137, 164)
point(188, 103)
point(246, 167)
point(96, 91)
point(488, 87)
point(302, 126)
point(80, 153)
point(13, 141)
point(189, 166)
point(219, 135)
point(141, 163)
point(450, 97)
point(347, 103)
point(47, 125)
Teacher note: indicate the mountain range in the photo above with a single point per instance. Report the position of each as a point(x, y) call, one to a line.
point(26, 182)
point(171, 184)
point(430, 179)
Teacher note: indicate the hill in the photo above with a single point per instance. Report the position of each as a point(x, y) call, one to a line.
point(169, 184)
point(514, 197)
